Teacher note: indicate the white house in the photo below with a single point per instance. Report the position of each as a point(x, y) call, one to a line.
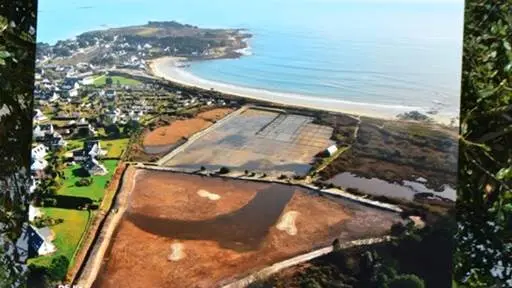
point(39, 116)
point(42, 129)
point(40, 240)
point(33, 212)
point(135, 116)
point(37, 168)
point(331, 150)
point(93, 167)
point(39, 152)
point(38, 165)
point(110, 93)
point(54, 97)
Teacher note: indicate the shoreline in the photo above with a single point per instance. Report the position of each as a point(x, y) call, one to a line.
point(169, 69)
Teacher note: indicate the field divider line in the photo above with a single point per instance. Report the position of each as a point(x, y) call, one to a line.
point(198, 135)
point(276, 267)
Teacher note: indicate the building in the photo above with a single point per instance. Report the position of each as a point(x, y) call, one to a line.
point(41, 130)
point(40, 240)
point(110, 94)
point(331, 150)
point(85, 128)
point(93, 167)
point(70, 83)
point(39, 152)
point(37, 168)
point(113, 115)
point(91, 148)
point(55, 141)
point(39, 116)
point(33, 212)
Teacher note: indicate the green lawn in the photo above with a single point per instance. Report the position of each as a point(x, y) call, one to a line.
point(74, 144)
point(100, 81)
point(114, 147)
point(95, 190)
point(67, 233)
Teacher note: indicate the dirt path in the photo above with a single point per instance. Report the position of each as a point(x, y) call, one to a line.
point(93, 264)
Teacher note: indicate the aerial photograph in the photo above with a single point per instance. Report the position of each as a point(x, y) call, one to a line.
point(237, 144)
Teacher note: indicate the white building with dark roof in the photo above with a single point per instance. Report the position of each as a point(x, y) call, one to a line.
point(40, 240)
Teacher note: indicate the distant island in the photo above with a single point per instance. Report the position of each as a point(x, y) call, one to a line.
point(119, 46)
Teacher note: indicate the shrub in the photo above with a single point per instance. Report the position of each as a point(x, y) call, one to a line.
point(397, 229)
point(45, 221)
point(58, 268)
point(224, 170)
point(84, 182)
point(336, 245)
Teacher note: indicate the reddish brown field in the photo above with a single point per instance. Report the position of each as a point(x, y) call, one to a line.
point(177, 130)
point(215, 114)
point(172, 133)
point(226, 236)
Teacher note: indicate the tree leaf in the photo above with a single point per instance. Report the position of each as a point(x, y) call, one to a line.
point(504, 174)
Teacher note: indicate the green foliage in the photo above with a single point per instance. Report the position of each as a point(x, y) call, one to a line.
point(224, 170)
point(84, 182)
point(58, 268)
point(108, 81)
point(17, 53)
point(46, 221)
point(485, 163)
point(406, 281)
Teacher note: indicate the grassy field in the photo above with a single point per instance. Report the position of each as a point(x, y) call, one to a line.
point(100, 81)
point(67, 233)
point(95, 190)
point(114, 147)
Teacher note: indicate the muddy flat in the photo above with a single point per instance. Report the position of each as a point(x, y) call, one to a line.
point(174, 236)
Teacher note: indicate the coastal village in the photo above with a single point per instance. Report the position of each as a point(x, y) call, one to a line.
point(83, 120)
point(100, 114)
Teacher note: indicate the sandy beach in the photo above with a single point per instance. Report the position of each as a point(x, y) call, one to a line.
point(171, 69)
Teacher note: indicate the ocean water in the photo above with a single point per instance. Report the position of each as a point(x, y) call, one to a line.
point(385, 52)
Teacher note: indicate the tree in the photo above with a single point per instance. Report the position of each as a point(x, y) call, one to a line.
point(58, 268)
point(131, 127)
point(108, 81)
point(484, 194)
point(112, 130)
point(17, 54)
